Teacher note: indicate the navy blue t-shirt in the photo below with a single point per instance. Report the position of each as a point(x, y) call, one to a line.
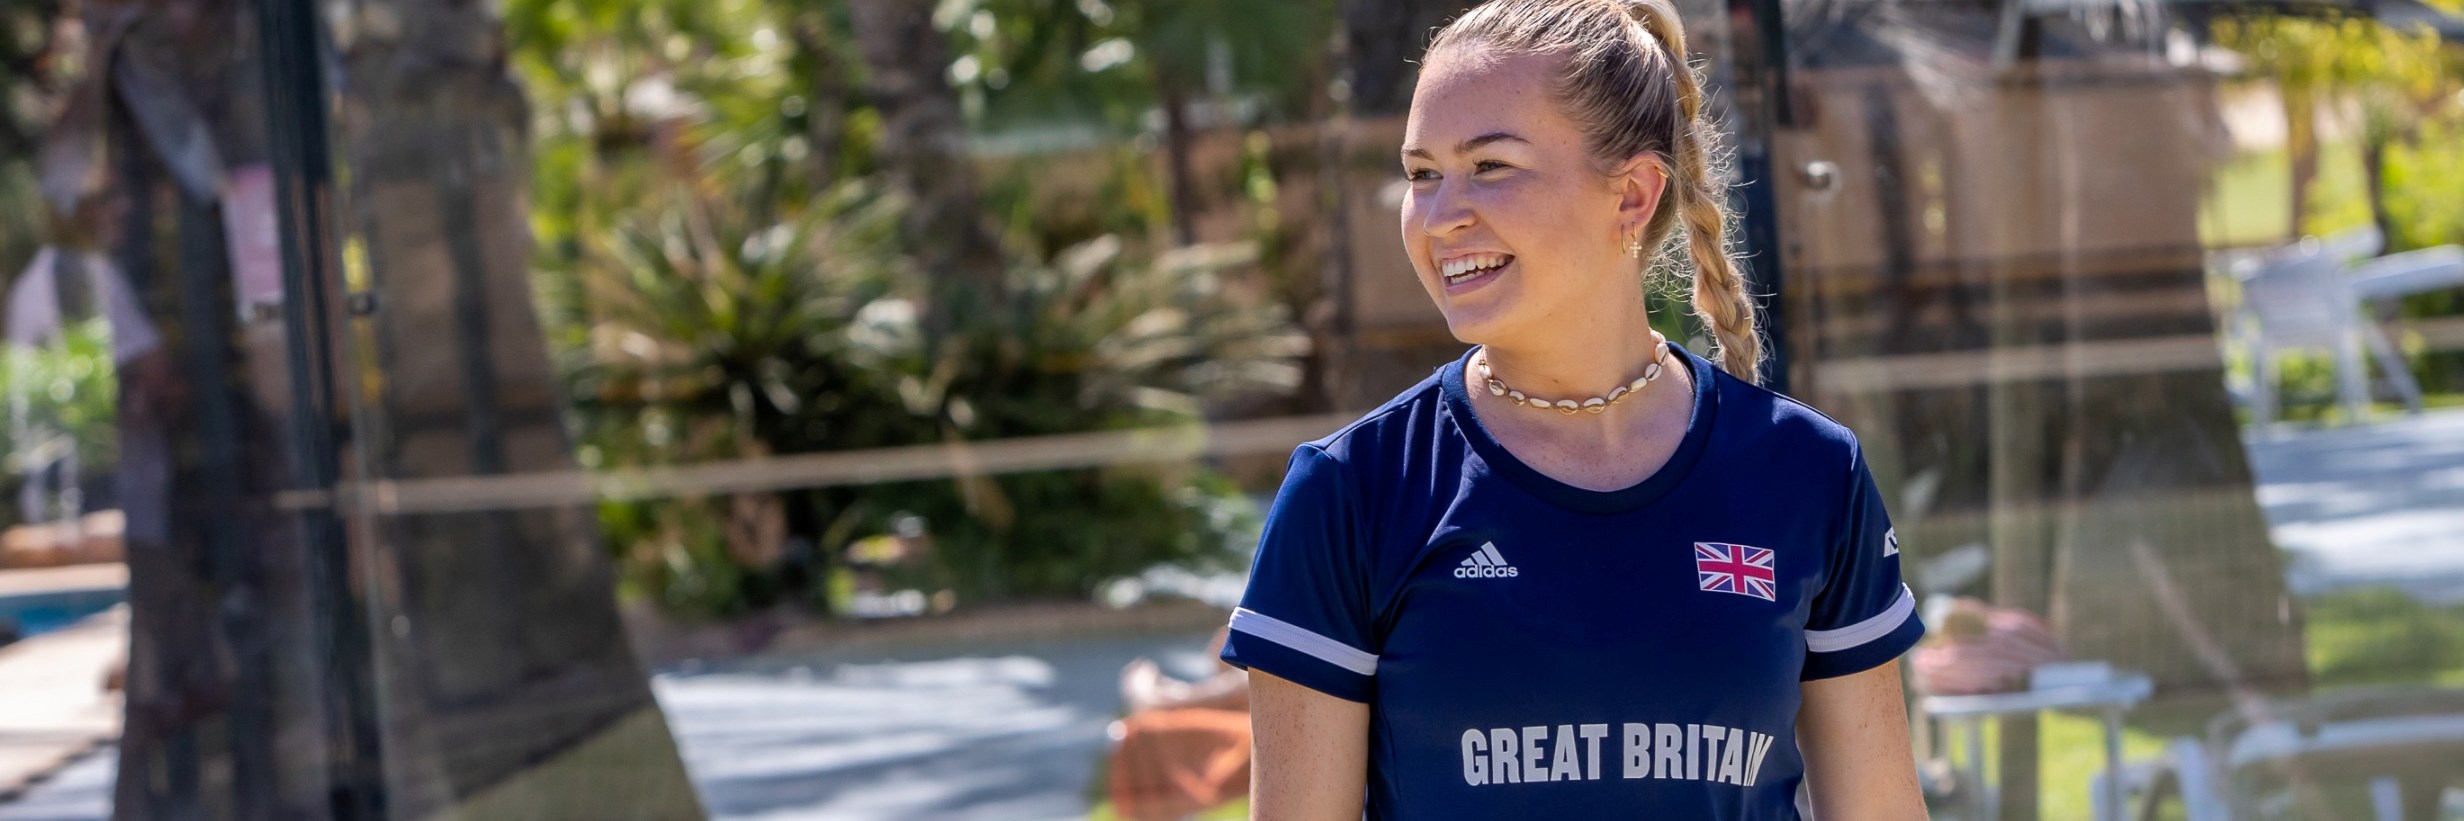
point(1531, 649)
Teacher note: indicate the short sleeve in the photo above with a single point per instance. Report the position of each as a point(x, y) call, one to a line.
point(1305, 615)
point(1864, 616)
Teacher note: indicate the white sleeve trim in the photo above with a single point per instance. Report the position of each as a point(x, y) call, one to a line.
point(1298, 638)
point(1833, 641)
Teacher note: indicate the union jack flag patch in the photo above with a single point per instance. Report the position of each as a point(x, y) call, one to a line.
point(1736, 568)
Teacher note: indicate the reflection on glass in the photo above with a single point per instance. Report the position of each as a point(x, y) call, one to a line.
point(2033, 254)
point(854, 409)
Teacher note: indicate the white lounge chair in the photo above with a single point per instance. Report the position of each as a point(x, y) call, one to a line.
point(2398, 750)
point(2309, 296)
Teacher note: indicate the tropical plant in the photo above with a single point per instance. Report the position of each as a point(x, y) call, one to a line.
point(695, 332)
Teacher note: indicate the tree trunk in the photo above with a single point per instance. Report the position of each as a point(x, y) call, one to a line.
point(1173, 98)
point(825, 110)
point(506, 669)
point(2374, 178)
point(2301, 148)
point(922, 143)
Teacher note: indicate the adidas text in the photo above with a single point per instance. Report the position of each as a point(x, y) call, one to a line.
point(1485, 563)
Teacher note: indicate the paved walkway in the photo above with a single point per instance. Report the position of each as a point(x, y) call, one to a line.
point(2374, 504)
point(1012, 733)
point(54, 708)
point(990, 734)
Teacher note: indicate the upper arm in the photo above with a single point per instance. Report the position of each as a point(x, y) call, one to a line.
point(1853, 731)
point(1306, 614)
point(1310, 759)
point(1863, 615)
point(1305, 634)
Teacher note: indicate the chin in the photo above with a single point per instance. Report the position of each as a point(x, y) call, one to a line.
point(1472, 327)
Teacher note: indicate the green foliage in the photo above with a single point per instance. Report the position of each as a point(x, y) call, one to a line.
point(70, 394)
point(694, 331)
point(2425, 185)
point(720, 281)
point(2350, 52)
point(1028, 63)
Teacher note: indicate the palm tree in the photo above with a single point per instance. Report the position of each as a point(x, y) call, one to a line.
point(922, 143)
point(504, 618)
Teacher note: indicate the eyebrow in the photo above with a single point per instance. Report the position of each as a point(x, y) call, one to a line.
point(1467, 146)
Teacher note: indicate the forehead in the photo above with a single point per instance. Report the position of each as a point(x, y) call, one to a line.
point(1464, 93)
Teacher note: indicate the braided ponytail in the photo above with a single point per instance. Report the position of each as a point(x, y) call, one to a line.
point(1629, 83)
point(1719, 289)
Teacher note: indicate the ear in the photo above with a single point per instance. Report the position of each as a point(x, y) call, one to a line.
point(1641, 184)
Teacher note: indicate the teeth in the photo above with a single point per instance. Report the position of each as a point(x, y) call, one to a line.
point(1464, 266)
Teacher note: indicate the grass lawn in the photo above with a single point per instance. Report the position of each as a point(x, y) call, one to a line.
point(1229, 812)
point(2249, 201)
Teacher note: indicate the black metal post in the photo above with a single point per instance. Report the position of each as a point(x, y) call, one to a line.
point(1758, 42)
point(300, 147)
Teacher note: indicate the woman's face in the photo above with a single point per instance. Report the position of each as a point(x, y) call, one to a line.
point(1506, 197)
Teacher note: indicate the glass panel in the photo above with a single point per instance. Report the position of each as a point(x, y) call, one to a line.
point(2048, 261)
point(866, 408)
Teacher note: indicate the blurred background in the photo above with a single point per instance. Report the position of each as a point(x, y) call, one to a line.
point(864, 409)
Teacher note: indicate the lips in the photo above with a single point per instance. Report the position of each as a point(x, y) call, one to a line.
point(1472, 266)
point(1465, 273)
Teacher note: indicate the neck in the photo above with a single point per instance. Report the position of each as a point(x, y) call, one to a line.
point(1575, 366)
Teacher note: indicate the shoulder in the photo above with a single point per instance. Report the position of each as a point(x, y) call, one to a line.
point(1774, 429)
point(1387, 437)
point(1365, 470)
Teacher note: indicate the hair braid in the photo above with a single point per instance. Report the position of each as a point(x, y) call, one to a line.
point(1700, 199)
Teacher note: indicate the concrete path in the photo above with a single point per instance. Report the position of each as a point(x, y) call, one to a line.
point(2374, 504)
point(992, 733)
point(982, 734)
point(52, 704)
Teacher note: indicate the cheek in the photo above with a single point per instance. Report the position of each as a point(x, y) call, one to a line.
point(1414, 242)
point(1532, 219)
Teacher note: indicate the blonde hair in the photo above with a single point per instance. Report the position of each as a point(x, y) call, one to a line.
point(1629, 84)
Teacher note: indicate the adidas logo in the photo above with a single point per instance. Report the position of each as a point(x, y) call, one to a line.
point(1486, 564)
point(1890, 542)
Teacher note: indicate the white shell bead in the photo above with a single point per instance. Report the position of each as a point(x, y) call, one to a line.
point(1567, 406)
point(1497, 388)
point(1595, 404)
point(1517, 396)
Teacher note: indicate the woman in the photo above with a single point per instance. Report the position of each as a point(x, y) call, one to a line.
point(1580, 573)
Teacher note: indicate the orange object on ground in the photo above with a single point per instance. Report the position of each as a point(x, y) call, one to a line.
point(1173, 763)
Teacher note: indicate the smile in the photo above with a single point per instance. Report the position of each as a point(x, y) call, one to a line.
point(1472, 268)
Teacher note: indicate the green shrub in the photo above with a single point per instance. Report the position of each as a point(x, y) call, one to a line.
point(696, 332)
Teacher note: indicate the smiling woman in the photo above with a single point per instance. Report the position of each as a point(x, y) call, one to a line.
point(1665, 565)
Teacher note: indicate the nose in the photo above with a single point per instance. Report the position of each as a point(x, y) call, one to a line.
point(1446, 210)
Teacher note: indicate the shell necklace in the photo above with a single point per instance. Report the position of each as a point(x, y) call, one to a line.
point(1569, 407)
